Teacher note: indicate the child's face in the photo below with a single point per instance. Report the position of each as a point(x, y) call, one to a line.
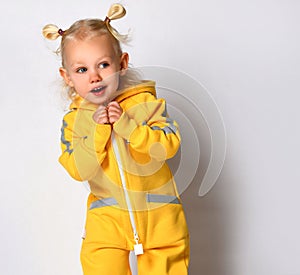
point(91, 68)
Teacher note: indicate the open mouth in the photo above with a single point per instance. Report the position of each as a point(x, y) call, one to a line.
point(99, 90)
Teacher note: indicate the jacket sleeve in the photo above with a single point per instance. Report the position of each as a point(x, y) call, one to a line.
point(83, 144)
point(149, 130)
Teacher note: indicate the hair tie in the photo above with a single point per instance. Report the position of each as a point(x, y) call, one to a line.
point(107, 19)
point(61, 32)
point(116, 11)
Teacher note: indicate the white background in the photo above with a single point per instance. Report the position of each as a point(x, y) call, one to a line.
point(246, 53)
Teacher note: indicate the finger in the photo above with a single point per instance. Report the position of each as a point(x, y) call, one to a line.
point(101, 110)
point(113, 119)
point(101, 115)
point(102, 119)
point(114, 110)
point(114, 106)
point(114, 114)
point(113, 103)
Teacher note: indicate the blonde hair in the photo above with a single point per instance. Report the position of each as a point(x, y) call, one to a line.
point(87, 28)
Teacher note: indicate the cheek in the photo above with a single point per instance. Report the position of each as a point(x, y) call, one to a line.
point(111, 72)
point(76, 81)
point(112, 77)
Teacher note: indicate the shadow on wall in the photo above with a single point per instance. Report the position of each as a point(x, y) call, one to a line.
point(190, 104)
point(206, 217)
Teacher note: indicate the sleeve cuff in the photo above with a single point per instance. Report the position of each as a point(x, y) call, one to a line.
point(100, 137)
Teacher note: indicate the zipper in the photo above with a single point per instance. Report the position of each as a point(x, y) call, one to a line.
point(138, 248)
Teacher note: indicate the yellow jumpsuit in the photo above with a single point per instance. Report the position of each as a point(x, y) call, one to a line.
point(133, 201)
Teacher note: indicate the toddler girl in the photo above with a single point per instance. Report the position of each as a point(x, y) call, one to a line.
point(118, 136)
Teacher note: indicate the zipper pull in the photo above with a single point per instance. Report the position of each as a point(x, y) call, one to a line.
point(138, 247)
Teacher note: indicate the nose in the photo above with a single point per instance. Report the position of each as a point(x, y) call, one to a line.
point(95, 76)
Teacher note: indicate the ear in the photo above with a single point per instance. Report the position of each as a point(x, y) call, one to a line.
point(66, 77)
point(124, 62)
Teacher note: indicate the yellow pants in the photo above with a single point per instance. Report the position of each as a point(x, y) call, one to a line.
point(171, 260)
point(163, 232)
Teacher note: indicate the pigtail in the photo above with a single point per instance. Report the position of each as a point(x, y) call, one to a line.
point(116, 11)
point(52, 32)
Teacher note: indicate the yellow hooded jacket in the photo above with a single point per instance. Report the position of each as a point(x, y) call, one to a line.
point(124, 163)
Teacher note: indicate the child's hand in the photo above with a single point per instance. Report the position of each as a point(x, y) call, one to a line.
point(101, 115)
point(114, 111)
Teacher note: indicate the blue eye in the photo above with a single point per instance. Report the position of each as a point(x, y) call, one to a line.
point(103, 65)
point(81, 70)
